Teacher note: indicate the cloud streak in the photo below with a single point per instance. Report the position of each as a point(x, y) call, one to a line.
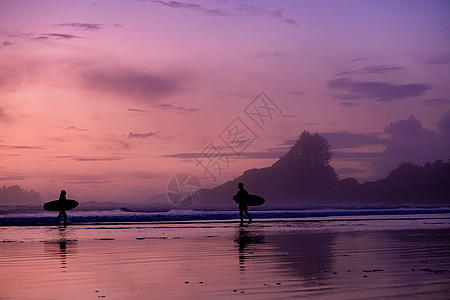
point(141, 135)
point(377, 69)
point(250, 10)
point(82, 26)
point(240, 10)
point(75, 128)
point(21, 147)
point(265, 154)
point(194, 7)
point(95, 159)
point(379, 91)
point(178, 109)
point(58, 36)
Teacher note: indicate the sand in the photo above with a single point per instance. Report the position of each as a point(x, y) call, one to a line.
point(219, 260)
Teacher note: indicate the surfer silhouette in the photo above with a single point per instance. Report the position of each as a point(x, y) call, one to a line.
point(62, 212)
point(242, 197)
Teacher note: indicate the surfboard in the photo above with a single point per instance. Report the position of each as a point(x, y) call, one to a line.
point(57, 205)
point(253, 200)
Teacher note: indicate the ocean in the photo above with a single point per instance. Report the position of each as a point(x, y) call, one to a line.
point(13, 216)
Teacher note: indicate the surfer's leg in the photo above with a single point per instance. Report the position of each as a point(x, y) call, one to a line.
point(58, 218)
point(241, 214)
point(249, 217)
point(65, 217)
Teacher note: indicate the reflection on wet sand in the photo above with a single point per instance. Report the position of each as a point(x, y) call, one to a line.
point(247, 241)
point(262, 261)
point(61, 247)
point(307, 255)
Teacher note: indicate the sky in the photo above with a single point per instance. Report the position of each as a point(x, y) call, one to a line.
point(112, 99)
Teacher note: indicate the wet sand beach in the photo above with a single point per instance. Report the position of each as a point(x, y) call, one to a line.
point(341, 259)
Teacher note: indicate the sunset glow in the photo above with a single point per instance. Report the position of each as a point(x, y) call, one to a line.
point(110, 99)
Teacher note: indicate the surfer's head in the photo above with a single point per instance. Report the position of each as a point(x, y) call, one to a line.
point(240, 185)
point(63, 192)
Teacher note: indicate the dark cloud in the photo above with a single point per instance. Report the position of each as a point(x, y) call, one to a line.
point(378, 69)
point(58, 36)
point(410, 142)
point(436, 102)
point(380, 91)
point(82, 26)
point(444, 125)
point(194, 7)
point(138, 85)
point(346, 139)
point(7, 43)
point(141, 135)
point(409, 127)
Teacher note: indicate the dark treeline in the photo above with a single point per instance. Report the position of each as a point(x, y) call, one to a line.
point(303, 177)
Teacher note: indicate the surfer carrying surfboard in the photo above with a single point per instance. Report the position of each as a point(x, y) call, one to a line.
point(242, 198)
point(62, 212)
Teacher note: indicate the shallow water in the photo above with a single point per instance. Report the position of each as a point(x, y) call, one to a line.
point(345, 259)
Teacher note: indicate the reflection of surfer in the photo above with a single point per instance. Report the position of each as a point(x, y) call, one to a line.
point(242, 198)
point(62, 212)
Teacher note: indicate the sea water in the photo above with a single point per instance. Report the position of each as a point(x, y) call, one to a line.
point(12, 216)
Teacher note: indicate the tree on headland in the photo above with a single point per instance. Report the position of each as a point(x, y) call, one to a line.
point(306, 166)
point(310, 150)
point(15, 195)
point(303, 175)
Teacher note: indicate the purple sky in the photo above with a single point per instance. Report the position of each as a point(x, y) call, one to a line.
point(110, 99)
